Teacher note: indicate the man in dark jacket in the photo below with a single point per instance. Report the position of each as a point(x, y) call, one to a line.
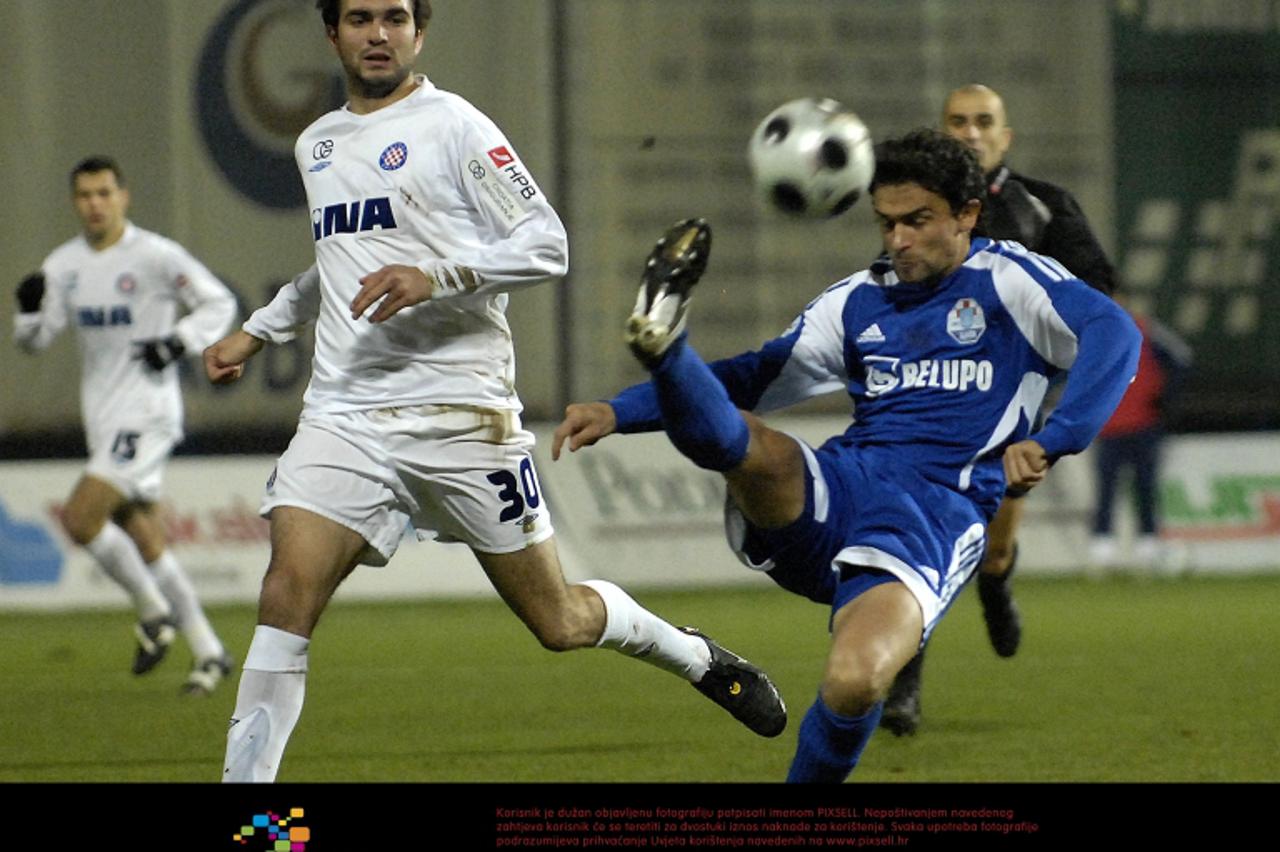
point(1046, 219)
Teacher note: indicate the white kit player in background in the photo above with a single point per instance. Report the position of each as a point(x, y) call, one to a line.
point(423, 219)
point(123, 289)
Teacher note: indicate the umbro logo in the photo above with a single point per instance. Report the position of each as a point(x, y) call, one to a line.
point(872, 334)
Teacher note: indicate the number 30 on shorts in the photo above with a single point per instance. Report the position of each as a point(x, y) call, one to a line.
point(516, 491)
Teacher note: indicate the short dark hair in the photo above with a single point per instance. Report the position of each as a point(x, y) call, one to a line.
point(935, 161)
point(95, 164)
point(330, 9)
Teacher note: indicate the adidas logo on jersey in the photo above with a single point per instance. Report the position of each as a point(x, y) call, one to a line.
point(872, 334)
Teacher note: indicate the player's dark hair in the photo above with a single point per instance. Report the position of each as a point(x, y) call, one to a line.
point(331, 9)
point(933, 160)
point(95, 164)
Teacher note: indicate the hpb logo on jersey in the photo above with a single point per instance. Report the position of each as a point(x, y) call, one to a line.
point(394, 156)
point(966, 322)
point(271, 832)
point(501, 156)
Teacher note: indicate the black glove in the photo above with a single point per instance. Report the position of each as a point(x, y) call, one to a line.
point(31, 293)
point(159, 352)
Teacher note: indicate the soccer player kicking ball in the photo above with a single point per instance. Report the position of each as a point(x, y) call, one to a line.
point(945, 345)
point(423, 218)
point(123, 288)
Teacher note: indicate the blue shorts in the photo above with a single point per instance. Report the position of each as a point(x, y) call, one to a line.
point(869, 518)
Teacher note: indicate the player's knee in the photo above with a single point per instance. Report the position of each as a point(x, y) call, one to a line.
point(288, 600)
point(853, 688)
point(81, 527)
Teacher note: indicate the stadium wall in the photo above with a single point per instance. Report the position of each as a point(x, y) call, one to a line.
point(631, 510)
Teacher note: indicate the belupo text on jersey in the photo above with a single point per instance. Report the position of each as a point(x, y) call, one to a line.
point(884, 373)
point(350, 217)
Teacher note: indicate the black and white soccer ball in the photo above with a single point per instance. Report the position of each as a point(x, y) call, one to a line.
point(812, 157)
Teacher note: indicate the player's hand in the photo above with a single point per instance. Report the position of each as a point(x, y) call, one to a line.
point(1025, 466)
point(158, 352)
point(30, 293)
point(398, 286)
point(224, 360)
point(584, 424)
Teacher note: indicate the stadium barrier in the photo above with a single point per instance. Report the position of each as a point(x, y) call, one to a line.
point(629, 509)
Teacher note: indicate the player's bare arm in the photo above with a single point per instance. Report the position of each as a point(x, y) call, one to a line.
point(224, 361)
point(1025, 465)
point(584, 424)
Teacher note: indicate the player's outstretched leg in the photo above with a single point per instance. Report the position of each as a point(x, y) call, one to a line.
point(697, 414)
point(672, 268)
point(742, 689)
point(902, 706)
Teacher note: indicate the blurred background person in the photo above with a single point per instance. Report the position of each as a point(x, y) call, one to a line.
point(1132, 439)
point(123, 288)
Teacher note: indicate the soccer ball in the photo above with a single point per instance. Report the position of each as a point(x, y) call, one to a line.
point(811, 157)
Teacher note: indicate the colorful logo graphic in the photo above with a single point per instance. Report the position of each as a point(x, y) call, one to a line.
point(394, 156)
point(274, 833)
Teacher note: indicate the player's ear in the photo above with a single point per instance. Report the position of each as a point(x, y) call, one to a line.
point(967, 215)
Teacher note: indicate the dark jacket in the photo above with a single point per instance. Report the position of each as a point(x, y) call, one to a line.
point(1046, 219)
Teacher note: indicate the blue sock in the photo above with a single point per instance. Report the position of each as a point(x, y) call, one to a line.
point(697, 413)
point(830, 744)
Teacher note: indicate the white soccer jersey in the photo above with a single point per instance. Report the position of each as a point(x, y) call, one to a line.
point(430, 182)
point(128, 292)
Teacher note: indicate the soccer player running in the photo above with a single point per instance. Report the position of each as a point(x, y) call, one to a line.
point(423, 218)
point(945, 345)
point(1046, 219)
point(123, 288)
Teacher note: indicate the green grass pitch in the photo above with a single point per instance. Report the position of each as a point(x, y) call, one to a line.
point(1121, 680)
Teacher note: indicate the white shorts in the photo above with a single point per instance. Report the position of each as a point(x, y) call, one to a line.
point(132, 458)
point(455, 473)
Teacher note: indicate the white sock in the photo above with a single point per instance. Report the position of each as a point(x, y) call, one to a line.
point(633, 630)
point(268, 704)
point(193, 623)
point(120, 560)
